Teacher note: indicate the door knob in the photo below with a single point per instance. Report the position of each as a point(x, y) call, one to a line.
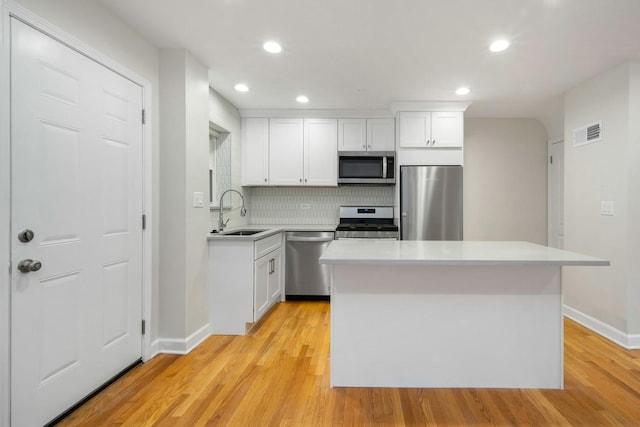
point(26, 235)
point(28, 265)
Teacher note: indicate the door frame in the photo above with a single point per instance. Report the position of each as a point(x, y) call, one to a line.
point(9, 9)
point(550, 205)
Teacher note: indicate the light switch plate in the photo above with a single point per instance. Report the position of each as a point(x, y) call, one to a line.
point(606, 207)
point(198, 199)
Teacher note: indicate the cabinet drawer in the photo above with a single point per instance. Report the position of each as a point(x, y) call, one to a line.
point(266, 245)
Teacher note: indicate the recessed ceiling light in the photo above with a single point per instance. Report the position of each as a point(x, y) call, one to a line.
point(272, 47)
point(499, 45)
point(463, 91)
point(302, 99)
point(241, 87)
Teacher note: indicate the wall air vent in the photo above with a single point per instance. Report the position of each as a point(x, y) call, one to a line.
point(587, 134)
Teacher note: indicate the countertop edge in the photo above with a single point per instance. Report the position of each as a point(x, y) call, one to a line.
point(454, 253)
point(270, 229)
point(477, 263)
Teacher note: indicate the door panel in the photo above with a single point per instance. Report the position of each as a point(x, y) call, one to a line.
point(76, 142)
point(286, 151)
point(320, 152)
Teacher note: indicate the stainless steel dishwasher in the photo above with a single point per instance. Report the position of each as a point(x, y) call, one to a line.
point(304, 277)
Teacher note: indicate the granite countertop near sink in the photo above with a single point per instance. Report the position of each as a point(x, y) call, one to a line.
point(269, 230)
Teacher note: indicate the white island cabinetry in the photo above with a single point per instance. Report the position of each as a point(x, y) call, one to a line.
point(245, 281)
point(447, 314)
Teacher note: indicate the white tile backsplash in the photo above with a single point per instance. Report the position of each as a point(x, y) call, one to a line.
point(311, 205)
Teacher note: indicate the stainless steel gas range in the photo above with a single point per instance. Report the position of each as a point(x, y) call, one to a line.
point(366, 222)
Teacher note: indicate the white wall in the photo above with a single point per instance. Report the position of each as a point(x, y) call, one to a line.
point(197, 220)
point(605, 171)
point(505, 180)
point(633, 193)
point(553, 118)
point(172, 215)
point(184, 145)
point(227, 116)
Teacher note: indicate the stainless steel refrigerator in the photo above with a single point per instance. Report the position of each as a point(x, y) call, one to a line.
point(431, 202)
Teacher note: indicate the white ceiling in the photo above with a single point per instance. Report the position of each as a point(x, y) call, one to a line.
point(365, 54)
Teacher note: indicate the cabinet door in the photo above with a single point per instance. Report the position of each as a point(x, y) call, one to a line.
point(255, 151)
point(276, 277)
point(321, 152)
point(415, 129)
point(352, 134)
point(286, 151)
point(447, 129)
point(262, 273)
point(381, 134)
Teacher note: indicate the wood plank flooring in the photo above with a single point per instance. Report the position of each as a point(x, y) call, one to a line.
point(279, 376)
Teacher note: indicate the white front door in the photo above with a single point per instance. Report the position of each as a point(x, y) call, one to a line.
point(76, 169)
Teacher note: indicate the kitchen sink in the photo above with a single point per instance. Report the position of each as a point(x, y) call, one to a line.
point(242, 232)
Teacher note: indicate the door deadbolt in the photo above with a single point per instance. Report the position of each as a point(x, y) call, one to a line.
point(26, 235)
point(29, 265)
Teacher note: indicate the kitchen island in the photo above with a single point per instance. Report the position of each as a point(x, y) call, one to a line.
point(447, 314)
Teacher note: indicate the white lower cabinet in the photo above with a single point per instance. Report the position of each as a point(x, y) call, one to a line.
point(245, 281)
point(267, 282)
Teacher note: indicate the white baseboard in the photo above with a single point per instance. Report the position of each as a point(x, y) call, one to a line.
point(630, 342)
point(181, 346)
point(154, 350)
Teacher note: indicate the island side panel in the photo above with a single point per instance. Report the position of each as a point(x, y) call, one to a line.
point(446, 326)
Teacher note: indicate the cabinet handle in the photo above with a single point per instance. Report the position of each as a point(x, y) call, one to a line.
point(300, 179)
point(428, 142)
point(305, 180)
point(434, 142)
point(364, 146)
point(265, 180)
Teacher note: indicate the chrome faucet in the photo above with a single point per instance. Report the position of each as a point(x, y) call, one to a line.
point(243, 211)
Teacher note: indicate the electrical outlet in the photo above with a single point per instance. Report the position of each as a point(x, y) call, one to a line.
point(606, 207)
point(304, 206)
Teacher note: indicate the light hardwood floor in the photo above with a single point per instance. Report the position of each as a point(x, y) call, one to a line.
point(279, 377)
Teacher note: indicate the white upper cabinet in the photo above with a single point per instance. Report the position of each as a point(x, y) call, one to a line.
point(381, 134)
point(255, 151)
point(447, 129)
point(366, 134)
point(431, 129)
point(352, 134)
point(286, 151)
point(320, 152)
point(290, 152)
point(415, 129)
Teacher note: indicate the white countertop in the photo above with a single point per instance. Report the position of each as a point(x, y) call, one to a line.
point(269, 229)
point(410, 252)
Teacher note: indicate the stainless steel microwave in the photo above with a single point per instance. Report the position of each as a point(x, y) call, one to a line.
point(367, 167)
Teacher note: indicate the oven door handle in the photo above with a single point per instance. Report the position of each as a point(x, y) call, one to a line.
point(310, 239)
